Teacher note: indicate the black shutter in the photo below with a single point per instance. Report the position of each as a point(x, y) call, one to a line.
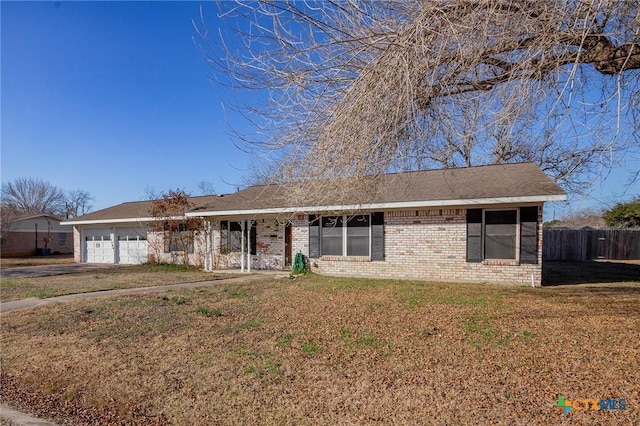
point(314, 236)
point(474, 235)
point(253, 233)
point(377, 236)
point(529, 235)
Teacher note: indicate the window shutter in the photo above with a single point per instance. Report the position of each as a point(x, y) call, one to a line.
point(377, 236)
point(474, 235)
point(314, 236)
point(529, 235)
point(253, 233)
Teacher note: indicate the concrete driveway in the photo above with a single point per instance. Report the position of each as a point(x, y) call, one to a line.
point(49, 270)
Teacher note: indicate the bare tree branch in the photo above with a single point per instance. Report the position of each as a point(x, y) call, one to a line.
point(360, 88)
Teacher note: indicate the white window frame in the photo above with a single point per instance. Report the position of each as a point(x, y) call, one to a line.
point(345, 234)
point(484, 234)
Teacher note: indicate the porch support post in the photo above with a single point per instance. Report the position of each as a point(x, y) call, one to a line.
point(249, 246)
point(242, 246)
point(208, 261)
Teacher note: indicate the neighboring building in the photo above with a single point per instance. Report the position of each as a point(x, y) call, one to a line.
point(478, 224)
point(37, 234)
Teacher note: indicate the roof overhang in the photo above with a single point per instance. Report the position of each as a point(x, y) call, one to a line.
point(121, 220)
point(385, 206)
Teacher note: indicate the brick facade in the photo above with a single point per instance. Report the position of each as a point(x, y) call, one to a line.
point(429, 245)
point(269, 245)
point(77, 244)
point(156, 251)
point(419, 244)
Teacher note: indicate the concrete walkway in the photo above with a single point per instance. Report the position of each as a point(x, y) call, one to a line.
point(18, 418)
point(32, 302)
point(22, 419)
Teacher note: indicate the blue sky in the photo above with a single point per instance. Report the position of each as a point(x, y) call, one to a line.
point(114, 97)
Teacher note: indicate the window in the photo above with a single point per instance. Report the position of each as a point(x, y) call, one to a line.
point(350, 240)
point(332, 236)
point(131, 238)
point(178, 241)
point(509, 234)
point(233, 231)
point(358, 235)
point(500, 232)
point(62, 239)
point(98, 238)
point(234, 240)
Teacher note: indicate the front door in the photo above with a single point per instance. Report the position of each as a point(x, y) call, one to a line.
point(288, 249)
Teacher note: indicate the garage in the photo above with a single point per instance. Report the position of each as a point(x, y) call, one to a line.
point(132, 247)
point(126, 245)
point(99, 249)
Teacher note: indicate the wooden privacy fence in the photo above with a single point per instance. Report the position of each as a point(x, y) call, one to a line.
point(589, 244)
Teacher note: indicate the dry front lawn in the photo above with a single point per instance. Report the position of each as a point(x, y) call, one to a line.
point(320, 350)
point(14, 262)
point(103, 279)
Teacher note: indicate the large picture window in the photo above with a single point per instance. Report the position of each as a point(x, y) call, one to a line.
point(350, 240)
point(347, 235)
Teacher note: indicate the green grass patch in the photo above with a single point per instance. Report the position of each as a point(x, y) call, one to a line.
point(167, 267)
point(526, 335)
point(481, 333)
point(253, 323)
point(9, 282)
point(311, 349)
point(285, 340)
point(369, 339)
point(236, 294)
point(41, 293)
point(209, 312)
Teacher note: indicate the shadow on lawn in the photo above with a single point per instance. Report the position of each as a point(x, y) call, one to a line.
point(563, 273)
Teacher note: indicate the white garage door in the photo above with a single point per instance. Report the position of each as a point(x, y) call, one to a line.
point(132, 249)
point(99, 249)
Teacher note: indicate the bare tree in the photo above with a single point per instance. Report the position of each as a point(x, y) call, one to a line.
point(177, 232)
point(77, 203)
point(360, 88)
point(206, 188)
point(33, 196)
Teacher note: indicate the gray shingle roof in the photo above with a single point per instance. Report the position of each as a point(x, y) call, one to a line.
point(448, 186)
point(131, 210)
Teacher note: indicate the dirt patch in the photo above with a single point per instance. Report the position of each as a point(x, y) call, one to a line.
point(319, 350)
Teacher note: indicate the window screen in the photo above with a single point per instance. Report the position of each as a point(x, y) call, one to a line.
point(500, 234)
point(358, 235)
point(332, 236)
